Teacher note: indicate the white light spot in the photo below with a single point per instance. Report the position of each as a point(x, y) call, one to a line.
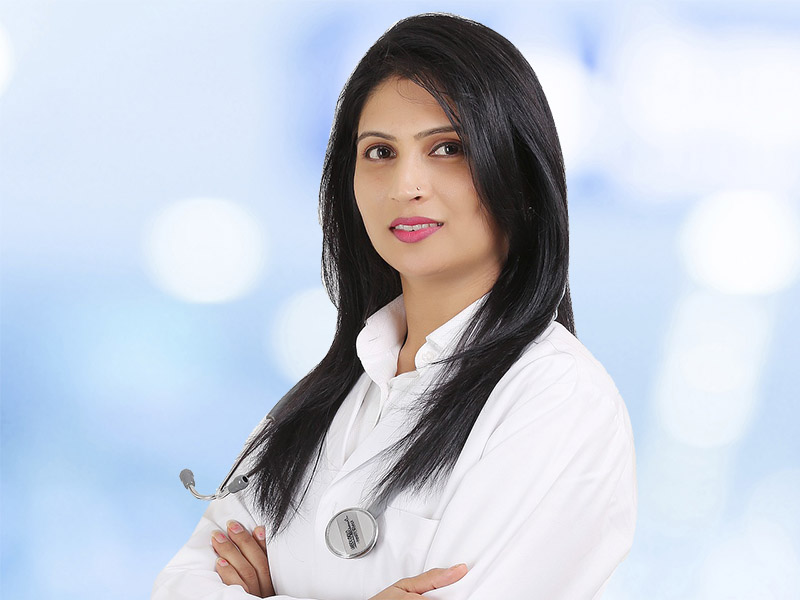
point(683, 489)
point(6, 60)
point(567, 86)
point(776, 499)
point(742, 242)
point(700, 109)
point(204, 250)
point(674, 81)
point(303, 332)
point(759, 561)
point(707, 390)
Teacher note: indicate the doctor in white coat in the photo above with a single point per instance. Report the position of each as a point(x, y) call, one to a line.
point(456, 405)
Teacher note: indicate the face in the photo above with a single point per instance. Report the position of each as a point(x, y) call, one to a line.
point(411, 171)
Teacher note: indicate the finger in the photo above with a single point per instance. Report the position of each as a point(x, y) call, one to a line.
point(228, 574)
point(260, 536)
point(255, 553)
point(432, 579)
point(230, 552)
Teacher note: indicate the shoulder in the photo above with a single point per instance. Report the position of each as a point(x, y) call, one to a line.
point(557, 344)
point(559, 383)
point(558, 358)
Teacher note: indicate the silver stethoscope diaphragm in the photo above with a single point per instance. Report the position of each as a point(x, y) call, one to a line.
point(351, 533)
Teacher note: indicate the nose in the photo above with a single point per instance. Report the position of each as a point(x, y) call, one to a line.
point(409, 181)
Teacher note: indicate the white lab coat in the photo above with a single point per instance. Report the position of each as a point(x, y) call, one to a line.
point(541, 502)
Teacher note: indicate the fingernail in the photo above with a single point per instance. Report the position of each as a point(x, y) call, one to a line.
point(235, 527)
point(456, 567)
point(219, 536)
point(261, 533)
point(222, 562)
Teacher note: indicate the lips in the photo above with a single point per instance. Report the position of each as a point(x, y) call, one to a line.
point(414, 229)
point(411, 221)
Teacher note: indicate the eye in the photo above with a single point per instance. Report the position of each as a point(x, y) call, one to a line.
point(449, 149)
point(378, 152)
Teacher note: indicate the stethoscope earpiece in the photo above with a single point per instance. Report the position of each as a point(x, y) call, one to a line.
point(350, 533)
point(237, 485)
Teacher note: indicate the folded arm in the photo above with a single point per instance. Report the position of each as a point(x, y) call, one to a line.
point(549, 509)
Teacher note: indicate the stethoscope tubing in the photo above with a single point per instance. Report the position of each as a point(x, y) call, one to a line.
point(241, 481)
point(351, 533)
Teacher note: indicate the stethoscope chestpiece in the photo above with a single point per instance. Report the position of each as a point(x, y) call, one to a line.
point(351, 533)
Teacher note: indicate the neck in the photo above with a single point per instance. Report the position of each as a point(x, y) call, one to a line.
point(428, 306)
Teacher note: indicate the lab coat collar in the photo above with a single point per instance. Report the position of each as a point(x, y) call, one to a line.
point(379, 342)
point(378, 346)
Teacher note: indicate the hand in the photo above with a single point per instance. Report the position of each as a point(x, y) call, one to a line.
point(411, 588)
point(243, 559)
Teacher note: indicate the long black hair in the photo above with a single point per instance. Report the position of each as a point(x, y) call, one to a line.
point(493, 99)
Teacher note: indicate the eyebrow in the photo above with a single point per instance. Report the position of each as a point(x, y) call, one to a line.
point(417, 136)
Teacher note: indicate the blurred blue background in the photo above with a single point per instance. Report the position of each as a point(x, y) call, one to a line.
point(159, 167)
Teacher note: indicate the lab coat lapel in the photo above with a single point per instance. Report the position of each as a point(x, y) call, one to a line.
point(378, 345)
point(342, 423)
point(394, 423)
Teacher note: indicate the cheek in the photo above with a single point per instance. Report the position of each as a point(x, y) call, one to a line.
point(368, 213)
point(364, 194)
point(366, 179)
point(482, 226)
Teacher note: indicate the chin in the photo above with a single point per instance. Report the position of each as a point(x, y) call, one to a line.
point(421, 272)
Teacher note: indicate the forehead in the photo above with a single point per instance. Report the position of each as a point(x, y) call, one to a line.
point(397, 101)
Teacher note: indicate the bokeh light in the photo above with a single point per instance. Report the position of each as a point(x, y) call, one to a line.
point(204, 250)
point(775, 498)
point(757, 561)
point(700, 108)
point(302, 332)
point(568, 87)
point(707, 392)
point(6, 60)
point(684, 489)
point(742, 242)
point(679, 81)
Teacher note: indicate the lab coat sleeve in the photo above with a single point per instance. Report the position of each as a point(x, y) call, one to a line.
point(191, 575)
point(549, 509)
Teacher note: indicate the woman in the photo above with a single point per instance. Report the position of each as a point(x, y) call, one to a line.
point(455, 403)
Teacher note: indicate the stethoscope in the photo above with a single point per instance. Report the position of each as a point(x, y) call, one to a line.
point(350, 533)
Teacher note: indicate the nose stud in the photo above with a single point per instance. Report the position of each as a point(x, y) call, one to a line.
point(417, 188)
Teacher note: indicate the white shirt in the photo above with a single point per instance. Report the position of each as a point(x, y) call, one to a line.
point(541, 502)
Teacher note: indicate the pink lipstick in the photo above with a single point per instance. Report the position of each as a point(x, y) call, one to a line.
point(414, 229)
